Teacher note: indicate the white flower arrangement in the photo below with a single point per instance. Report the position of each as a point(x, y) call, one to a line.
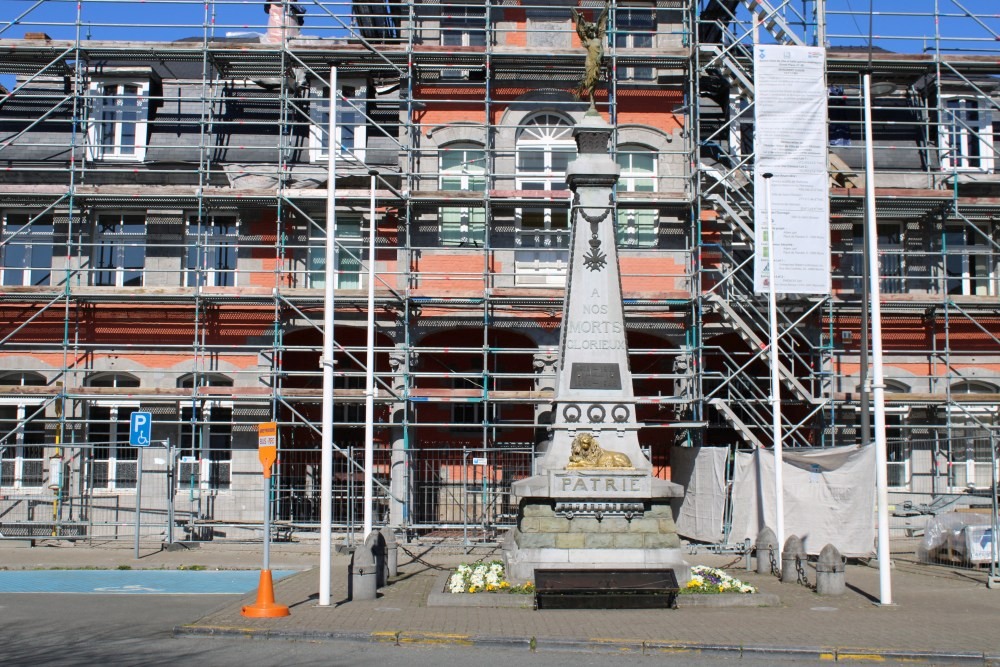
point(483, 577)
point(706, 579)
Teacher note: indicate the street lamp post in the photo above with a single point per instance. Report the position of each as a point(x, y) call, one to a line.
point(772, 300)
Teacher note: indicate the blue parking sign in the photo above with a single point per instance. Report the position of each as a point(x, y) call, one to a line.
point(140, 429)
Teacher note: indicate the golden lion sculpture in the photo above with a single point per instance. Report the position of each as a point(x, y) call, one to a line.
point(588, 453)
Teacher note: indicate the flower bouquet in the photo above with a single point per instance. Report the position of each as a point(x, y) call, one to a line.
point(706, 579)
point(483, 577)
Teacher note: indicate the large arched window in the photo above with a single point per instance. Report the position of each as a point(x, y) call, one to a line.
point(636, 228)
point(22, 434)
point(545, 146)
point(463, 169)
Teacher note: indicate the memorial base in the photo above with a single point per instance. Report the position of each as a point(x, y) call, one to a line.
point(595, 536)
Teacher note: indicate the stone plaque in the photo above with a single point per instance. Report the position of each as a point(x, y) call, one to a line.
point(595, 376)
point(605, 484)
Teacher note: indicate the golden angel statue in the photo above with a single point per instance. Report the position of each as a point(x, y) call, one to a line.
point(592, 37)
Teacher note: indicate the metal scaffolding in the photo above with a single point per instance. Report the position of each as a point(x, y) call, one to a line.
point(164, 211)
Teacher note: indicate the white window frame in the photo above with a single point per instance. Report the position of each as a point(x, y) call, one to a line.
point(205, 463)
point(627, 230)
point(973, 264)
point(462, 26)
point(118, 436)
point(120, 241)
point(468, 176)
point(206, 255)
point(896, 419)
point(891, 258)
point(542, 256)
point(972, 469)
point(626, 38)
point(116, 150)
point(354, 242)
point(23, 408)
point(33, 244)
point(973, 135)
point(351, 112)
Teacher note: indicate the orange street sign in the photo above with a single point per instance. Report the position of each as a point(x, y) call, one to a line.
point(267, 445)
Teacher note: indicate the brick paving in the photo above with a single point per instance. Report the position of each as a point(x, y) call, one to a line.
point(939, 614)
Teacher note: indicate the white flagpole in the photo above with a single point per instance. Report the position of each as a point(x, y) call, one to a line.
point(326, 443)
point(878, 379)
point(370, 367)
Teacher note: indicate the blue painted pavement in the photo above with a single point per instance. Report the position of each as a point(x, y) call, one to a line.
point(134, 582)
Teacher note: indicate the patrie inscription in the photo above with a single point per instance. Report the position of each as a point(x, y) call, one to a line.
point(576, 485)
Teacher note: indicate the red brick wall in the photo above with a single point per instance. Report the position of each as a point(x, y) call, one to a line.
point(660, 277)
point(443, 272)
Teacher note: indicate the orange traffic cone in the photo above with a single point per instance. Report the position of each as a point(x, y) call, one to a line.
point(265, 606)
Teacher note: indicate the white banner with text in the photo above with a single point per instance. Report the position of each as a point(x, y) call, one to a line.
point(790, 143)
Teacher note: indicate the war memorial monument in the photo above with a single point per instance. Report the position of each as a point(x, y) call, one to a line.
point(593, 503)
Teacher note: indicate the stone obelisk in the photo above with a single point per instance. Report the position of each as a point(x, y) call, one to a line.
point(593, 502)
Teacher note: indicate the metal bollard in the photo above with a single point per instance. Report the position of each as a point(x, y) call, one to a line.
point(767, 543)
point(364, 573)
point(792, 551)
point(391, 552)
point(831, 578)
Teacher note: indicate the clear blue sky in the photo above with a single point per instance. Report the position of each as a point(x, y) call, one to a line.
point(907, 26)
point(899, 25)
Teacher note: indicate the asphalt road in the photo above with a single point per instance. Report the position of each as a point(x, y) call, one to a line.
point(107, 630)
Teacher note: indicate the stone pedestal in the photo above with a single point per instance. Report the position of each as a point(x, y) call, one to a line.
point(594, 502)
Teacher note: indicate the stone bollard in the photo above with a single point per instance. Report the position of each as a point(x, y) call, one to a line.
point(793, 551)
point(391, 553)
point(376, 543)
point(830, 575)
point(364, 573)
point(767, 543)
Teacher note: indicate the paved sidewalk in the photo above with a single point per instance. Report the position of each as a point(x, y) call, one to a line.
point(940, 615)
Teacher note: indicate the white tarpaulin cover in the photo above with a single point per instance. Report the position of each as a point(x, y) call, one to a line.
point(829, 497)
point(702, 472)
point(790, 142)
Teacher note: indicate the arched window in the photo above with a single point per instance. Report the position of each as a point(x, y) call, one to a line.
point(23, 379)
point(22, 434)
point(636, 228)
point(113, 380)
point(974, 387)
point(204, 380)
point(463, 169)
point(545, 146)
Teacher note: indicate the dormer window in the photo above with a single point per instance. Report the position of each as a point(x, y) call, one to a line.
point(119, 110)
point(967, 137)
point(350, 133)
